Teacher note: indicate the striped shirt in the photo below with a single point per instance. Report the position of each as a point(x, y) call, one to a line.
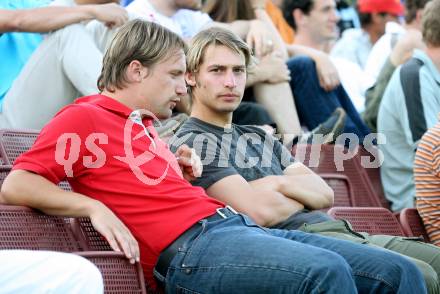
point(427, 182)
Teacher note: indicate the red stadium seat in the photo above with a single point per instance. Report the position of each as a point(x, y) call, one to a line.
point(15, 142)
point(26, 228)
point(330, 159)
point(373, 173)
point(341, 187)
point(412, 224)
point(372, 220)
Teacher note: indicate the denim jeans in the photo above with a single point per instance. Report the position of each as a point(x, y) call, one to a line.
point(314, 104)
point(234, 255)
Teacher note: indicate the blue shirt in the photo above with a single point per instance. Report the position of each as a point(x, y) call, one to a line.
point(399, 149)
point(16, 48)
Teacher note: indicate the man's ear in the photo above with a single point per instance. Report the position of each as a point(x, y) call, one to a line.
point(190, 79)
point(136, 72)
point(298, 16)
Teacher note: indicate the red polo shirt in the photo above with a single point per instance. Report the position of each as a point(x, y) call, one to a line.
point(150, 196)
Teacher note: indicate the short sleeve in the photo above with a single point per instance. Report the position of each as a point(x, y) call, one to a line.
point(216, 164)
point(58, 151)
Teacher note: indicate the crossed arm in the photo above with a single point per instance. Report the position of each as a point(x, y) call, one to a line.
point(47, 19)
point(272, 199)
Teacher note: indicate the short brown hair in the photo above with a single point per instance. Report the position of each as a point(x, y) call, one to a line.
point(412, 6)
point(431, 23)
point(147, 42)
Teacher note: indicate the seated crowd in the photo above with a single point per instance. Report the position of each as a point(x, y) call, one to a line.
point(177, 119)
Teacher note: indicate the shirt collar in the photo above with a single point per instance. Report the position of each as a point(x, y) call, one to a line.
point(420, 54)
point(111, 105)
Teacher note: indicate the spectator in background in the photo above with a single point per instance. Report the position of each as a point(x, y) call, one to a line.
point(31, 271)
point(427, 182)
point(391, 50)
point(409, 107)
point(355, 44)
point(382, 48)
point(65, 64)
point(17, 17)
point(315, 26)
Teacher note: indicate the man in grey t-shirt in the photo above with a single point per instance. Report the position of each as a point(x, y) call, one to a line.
point(250, 170)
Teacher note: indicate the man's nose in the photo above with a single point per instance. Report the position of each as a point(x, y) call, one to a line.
point(230, 81)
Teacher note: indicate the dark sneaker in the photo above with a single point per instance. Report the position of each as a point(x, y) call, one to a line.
point(328, 131)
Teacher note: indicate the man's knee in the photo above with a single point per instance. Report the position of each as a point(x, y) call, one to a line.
point(429, 274)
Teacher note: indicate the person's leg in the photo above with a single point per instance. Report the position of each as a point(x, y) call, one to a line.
point(277, 99)
point(314, 104)
point(236, 256)
point(421, 251)
point(375, 270)
point(425, 256)
point(65, 66)
point(24, 271)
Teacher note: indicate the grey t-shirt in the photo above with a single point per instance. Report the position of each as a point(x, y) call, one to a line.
point(240, 150)
point(244, 150)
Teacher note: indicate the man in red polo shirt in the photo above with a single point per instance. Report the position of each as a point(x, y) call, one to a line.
point(136, 194)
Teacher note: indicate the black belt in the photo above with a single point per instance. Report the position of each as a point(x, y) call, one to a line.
point(168, 253)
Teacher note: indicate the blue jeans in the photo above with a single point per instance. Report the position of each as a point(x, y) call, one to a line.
point(235, 255)
point(314, 104)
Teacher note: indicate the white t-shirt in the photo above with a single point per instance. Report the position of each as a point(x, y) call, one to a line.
point(186, 23)
point(382, 50)
point(354, 45)
point(354, 81)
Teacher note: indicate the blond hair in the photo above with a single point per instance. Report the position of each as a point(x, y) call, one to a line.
point(215, 36)
point(146, 42)
point(431, 23)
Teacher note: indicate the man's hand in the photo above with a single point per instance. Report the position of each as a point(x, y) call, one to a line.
point(327, 72)
point(189, 162)
point(111, 14)
point(272, 69)
point(114, 231)
point(259, 38)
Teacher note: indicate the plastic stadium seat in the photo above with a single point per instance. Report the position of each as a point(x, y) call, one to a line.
point(88, 236)
point(412, 224)
point(374, 173)
point(25, 228)
point(341, 187)
point(120, 276)
point(330, 159)
point(372, 220)
point(15, 142)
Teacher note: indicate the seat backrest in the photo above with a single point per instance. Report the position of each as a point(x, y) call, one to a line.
point(341, 187)
point(412, 224)
point(26, 228)
point(13, 143)
point(330, 159)
point(372, 220)
point(4, 171)
point(373, 172)
point(89, 238)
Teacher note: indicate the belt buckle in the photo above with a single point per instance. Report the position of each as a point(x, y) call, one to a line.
point(222, 214)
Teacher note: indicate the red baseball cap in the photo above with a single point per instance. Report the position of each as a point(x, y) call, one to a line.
point(393, 7)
